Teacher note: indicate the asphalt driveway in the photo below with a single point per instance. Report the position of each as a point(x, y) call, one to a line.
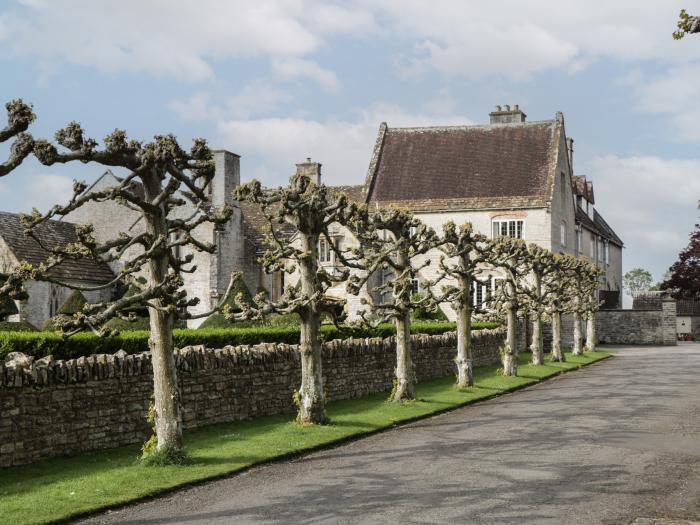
point(606, 444)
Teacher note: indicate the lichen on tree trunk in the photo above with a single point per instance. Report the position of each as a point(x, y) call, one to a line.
point(464, 361)
point(557, 354)
point(403, 381)
point(590, 332)
point(510, 353)
point(168, 411)
point(311, 398)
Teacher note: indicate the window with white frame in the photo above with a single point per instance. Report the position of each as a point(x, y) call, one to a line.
point(579, 242)
point(415, 286)
point(593, 246)
point(562, 233)
point(601, 250)
point(324, 251)
point(508, 228)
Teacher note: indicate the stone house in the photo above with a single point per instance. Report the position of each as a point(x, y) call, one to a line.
point(46, 298)
point(509, 177)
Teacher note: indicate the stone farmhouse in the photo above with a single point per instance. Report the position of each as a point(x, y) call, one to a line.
point(509, 177)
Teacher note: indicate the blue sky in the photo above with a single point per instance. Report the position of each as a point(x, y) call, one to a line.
point(279, 81)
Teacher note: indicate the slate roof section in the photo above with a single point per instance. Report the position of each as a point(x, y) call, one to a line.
point(51, 234)
point(255, 224)
point(469, 167)
point(598, 225)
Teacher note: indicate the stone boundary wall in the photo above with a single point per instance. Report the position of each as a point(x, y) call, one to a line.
point(638, 327)
point(56, 408)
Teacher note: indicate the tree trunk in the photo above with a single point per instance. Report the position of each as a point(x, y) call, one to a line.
point(168, 412)
point(465, 376)
point(312, 398)
point(536, 344)
point(557, 354)
point(590, 332)
point(577, 349)
point(403, 382)
point(510, 354)
point(464, 362)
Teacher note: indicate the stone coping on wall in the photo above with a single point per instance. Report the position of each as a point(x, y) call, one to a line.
point(19, 370)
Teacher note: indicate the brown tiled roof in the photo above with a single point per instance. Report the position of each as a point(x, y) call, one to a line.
point(255, 225)
point(597, 225)
point(354, 193)
point(473, 166)
point(584, 188)
point(51, 234)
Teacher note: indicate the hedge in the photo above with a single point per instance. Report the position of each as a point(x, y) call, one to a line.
point(40, 344)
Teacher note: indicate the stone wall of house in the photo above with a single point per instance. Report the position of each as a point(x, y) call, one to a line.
point(639, 327)
point(56, 408)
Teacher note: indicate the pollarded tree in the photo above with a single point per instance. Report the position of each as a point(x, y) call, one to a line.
point(561, 287)
point(687, 25)
point(19, 117)
point(542, 264)
point(466, 251)
point(392, 240)
point(512, 257)
point(167, 187)
point(584, 280)
point(309, 209)
point(591, 304)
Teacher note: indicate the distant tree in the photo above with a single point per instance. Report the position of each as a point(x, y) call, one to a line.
point(637, 281)
point(466, 252)
point(168, 188)
point(392, 240)
point(684, 274)
point(310, 209)
point(687, 25)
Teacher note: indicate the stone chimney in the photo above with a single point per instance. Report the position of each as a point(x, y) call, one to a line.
point(227, 176)
point(310, 169)
point(507, 115)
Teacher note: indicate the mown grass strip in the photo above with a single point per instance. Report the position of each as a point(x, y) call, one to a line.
point(59, 489)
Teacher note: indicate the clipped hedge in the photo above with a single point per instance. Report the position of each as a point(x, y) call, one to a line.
point(39, 344)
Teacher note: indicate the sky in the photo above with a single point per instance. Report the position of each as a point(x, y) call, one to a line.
point(279, 81)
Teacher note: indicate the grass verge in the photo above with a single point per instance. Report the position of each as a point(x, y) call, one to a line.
point(58, 489)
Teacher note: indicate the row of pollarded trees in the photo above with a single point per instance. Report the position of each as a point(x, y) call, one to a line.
point(168, 187)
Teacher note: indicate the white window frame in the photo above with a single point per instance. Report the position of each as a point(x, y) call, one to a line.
point(579, 241)
point(594, 241)
point(562, 233)
point(517, 226)
point(415, 286)
point(325, 254)
point(607, 253)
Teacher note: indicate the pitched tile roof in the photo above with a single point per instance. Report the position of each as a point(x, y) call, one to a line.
point(51, 234)
point(468, 166)
point(597, 225)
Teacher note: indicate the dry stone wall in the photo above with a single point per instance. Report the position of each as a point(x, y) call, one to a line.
point(57, 408)
point(638, 327)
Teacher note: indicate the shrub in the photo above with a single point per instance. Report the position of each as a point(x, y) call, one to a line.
point(424, 314)
point(40, 344)
point(217, 320)
point(18, 326)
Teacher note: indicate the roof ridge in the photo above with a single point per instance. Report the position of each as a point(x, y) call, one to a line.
point(456, 127)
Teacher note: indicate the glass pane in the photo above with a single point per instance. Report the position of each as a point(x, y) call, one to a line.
point(520, 230)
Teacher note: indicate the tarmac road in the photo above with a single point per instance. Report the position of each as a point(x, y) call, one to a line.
point(610, 443)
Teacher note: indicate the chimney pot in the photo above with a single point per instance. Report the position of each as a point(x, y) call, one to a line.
point(498, 108)
point(507, 107)
point(506, 115)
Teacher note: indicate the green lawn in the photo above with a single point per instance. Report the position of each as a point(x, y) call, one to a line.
point(57, 489)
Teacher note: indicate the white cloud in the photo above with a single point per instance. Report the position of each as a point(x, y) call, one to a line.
point(43, 190)
point(184, 39)
point(651, 202)
point(297, 67)
point(674, 94)
point(342, 146)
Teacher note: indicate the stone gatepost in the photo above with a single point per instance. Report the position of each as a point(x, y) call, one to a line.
point(668, 319)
